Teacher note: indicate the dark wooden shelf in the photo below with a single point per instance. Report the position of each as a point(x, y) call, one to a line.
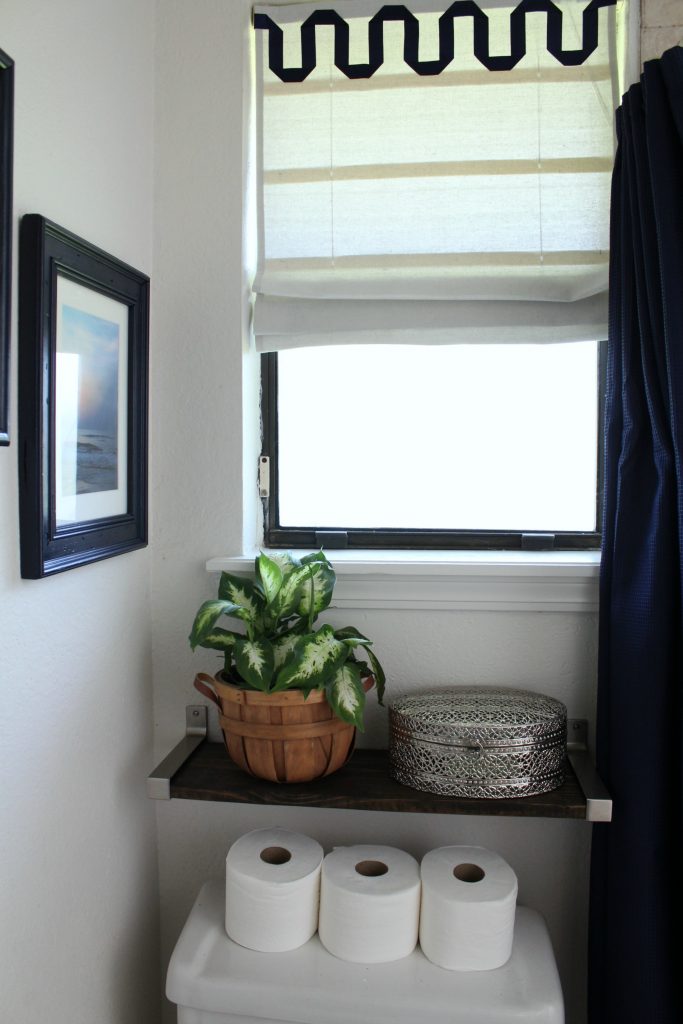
point(363, 784)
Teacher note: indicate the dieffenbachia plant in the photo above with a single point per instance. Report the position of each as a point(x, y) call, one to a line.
point(279, 648)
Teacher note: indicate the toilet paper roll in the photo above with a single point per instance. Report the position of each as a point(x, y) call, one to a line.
point(467, 915)
point(272, 889)
point(369, 903)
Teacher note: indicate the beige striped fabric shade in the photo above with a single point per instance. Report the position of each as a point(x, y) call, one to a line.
point(489, 188)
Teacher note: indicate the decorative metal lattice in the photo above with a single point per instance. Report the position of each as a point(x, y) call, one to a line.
point(478, 742)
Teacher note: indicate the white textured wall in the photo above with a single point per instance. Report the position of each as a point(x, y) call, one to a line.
point(662, 26)
point(78, 915)
point(196, 403)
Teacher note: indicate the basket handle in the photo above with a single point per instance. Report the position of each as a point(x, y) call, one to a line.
point(204, 683)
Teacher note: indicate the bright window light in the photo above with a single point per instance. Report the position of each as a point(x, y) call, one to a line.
point(462, 437)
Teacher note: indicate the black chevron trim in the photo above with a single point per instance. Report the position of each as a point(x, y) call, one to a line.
point(411, 38)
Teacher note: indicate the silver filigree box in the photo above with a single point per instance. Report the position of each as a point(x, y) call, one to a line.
point(478, 741)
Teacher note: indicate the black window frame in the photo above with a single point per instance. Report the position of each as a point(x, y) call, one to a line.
point(278, 536)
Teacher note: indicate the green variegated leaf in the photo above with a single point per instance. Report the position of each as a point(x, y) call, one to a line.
point(299, 626)
point(316, 592)
point(289, 594)
point(285, 560)
point(220, 639)
point(313, 660)
point(242, 593)
point(270, 574)
point(345, 694)
point(349, 633)
point(378, 673)
point(315, 556)
point(206, 618)
point(254, 660)
point(355, 641)
point(283, 647)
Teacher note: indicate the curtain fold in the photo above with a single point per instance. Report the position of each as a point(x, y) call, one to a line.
point(283, 323)
point(637, 860)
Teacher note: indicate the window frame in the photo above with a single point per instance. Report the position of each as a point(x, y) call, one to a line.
point(277, 536)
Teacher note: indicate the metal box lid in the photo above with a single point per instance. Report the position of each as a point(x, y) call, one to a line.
point(479, 716)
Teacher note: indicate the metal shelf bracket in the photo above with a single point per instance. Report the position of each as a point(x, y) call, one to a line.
point(598, 800)
point(159, 781)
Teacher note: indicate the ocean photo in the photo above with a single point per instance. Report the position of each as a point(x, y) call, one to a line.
point(96, 462)
point(91, 344)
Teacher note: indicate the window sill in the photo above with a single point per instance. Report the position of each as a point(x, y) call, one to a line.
point(542, 581)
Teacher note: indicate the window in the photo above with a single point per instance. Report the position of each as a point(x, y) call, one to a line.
point(448, 446)
point(433, 205)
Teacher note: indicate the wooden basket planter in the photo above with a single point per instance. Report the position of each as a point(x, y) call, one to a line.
point(280, 736)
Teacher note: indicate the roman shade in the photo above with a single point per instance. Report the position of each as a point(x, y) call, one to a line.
point(434, 174)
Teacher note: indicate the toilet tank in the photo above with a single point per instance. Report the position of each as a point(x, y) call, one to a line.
point(214, 981)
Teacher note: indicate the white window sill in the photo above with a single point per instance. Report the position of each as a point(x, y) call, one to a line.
point(539, 581)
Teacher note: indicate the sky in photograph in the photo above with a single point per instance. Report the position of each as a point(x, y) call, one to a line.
point(96, 341)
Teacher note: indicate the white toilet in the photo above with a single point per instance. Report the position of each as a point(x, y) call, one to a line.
point(214, 981)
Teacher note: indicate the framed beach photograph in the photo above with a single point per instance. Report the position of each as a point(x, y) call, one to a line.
point(83, 367)
point(6, 150)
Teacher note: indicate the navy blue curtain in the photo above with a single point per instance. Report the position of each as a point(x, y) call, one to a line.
point(636, 917)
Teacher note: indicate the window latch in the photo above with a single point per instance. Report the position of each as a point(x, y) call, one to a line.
point(264, 476)
point(331, 538)
point(538, 541)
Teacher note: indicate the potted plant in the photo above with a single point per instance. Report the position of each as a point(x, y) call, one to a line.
point(290, 695)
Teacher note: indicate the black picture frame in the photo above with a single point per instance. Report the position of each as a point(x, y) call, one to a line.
point(83, 362)
point(6, 164)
